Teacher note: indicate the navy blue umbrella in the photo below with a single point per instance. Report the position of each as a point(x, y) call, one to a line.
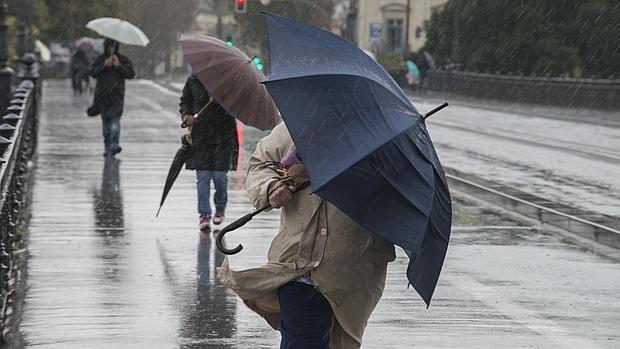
point(364, 145)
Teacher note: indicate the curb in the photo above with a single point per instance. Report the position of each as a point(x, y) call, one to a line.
point(582, 223)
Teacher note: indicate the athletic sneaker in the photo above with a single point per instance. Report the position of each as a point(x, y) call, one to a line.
point(205, 222)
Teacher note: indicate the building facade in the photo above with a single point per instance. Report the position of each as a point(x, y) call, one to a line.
point(381, 24)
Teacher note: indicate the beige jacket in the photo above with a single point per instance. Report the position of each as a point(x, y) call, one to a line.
point(347, 264)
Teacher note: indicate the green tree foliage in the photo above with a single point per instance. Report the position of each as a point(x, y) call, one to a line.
point(531, 37)
point(34, 10)
point(598, 22)
point(253, 34)
point(162, 21)
point(66, 19)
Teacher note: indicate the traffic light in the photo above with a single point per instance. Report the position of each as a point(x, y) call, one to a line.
point(229, 40)
point(257, 62)
point(241, 6)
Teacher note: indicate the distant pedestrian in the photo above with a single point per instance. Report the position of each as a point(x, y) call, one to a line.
point(79, 71)
point(110, 69)
point(418, 66)
point(215, 148)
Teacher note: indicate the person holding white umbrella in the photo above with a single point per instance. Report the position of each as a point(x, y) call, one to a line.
point(111, 69)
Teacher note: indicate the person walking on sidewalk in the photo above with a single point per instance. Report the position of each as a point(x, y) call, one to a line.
point(325, 273)
point(214, 150)
point(78, 67)
point(110, 69)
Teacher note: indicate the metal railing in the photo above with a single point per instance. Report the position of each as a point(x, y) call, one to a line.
point(567, 92)
point(18, 139)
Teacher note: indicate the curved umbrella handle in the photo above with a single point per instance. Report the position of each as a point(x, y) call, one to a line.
point(235, 225)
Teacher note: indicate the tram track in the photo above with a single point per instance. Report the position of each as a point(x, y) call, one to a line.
point(597, 227)
point(585, 151)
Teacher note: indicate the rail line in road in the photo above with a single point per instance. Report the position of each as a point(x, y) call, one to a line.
point(586, 151)
point(597, 227)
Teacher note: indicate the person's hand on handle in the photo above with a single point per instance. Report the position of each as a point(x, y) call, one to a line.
point(281, 196)
point(115, 61)
point(299, 174)
point(188, 120)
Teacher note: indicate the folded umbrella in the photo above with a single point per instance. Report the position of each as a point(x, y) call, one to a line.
point(363, 143)
point(179, 160)
point(119, 30)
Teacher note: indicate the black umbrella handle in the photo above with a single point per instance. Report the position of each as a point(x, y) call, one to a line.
point(434, 111)
point(235, 225)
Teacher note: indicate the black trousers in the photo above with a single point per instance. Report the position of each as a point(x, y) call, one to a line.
point(306, 317)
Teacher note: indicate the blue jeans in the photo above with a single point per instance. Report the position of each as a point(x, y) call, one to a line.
point(220, 182)
point(111, 132)
point(306, 317)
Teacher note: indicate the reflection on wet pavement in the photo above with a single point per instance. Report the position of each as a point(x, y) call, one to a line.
point(209, 321)
point(109, 221)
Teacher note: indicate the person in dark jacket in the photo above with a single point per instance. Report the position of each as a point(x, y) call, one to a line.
point(215, 148)
point(110, 69)
point(79, 70)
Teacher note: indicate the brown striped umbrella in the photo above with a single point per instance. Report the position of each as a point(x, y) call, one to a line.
point(231, 79)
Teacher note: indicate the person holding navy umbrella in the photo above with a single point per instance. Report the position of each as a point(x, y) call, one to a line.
point(375, 181)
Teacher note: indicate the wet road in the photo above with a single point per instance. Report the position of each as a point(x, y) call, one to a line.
point(105, 273)
point(571, 161)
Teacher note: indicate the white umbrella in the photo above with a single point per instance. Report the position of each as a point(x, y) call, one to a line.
point(44, 52)
point(119, 30)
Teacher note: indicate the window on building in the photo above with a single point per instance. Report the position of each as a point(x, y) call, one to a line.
point(394, 35)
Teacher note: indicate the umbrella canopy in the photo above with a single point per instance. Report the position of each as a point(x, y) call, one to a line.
point(231, 79)
point(119, 30)
point(84, 43)
point(364, 145)
point(429, 60)
point(413, 69)
point(44, 51)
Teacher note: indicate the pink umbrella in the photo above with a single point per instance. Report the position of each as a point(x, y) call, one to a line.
point(231, 79)
point(84, 43)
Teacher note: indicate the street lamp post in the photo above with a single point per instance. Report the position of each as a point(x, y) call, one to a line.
point(406, 51)
point(30, 36)
point(21, 38)
point(6, 73)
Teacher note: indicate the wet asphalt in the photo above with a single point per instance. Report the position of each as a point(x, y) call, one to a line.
point(103, 272)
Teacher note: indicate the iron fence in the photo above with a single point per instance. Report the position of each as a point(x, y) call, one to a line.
point(579, 93)
point(18, 139)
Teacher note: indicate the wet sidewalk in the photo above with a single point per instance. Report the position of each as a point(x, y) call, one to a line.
point(103, 272)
